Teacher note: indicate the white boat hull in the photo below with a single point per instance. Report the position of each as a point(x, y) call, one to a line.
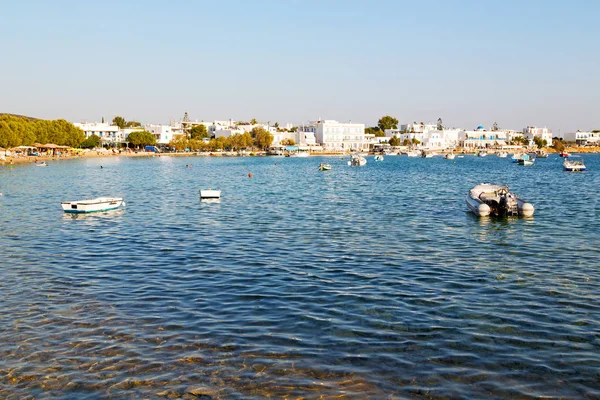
point(573, 167)
point(92, 205)
point(210, 194)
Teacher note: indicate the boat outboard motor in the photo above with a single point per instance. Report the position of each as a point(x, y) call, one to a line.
point(503, 206)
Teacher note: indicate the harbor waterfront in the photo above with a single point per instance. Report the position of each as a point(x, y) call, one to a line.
point(358, 282)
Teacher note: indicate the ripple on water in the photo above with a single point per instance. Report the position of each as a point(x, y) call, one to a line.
point(298, 283)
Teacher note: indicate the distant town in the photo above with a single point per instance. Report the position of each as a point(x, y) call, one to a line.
point(323, 135)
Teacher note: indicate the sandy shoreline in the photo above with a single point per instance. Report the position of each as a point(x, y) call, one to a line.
point(32, 159)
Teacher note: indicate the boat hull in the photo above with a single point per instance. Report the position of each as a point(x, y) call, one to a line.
point(91, 206)
point(210, 194)
point(526, 163)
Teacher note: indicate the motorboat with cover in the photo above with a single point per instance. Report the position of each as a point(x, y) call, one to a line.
point(92, 205)
point(496, 200)
point(574, 163)
point(357, 161)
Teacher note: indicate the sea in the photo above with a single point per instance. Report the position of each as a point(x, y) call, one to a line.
point(369, 282)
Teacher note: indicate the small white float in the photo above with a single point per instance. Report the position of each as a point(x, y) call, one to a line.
point(210, 194)
point(487, 199)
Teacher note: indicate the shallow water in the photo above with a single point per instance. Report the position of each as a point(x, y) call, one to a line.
point(370, 282)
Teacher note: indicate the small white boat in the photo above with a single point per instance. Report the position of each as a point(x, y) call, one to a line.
point(324, 167)
point(378, 158)
point(502, 154)
point(541, 154)
point(516, 157)
point(413, 153)
point(460, 156)
point(527, 160)
point(210, 194)
point(428, 154)
point(41, 164)
point(450, 156)
point(574, 164)
point(92, 205)
point(357, 161)
point(482, 154)
point(487, 199)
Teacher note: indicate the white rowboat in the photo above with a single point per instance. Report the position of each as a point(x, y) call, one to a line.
point(92, 205)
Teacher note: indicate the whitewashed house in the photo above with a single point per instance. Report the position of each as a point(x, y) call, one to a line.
point(481, 138)
point(164, 133)
point(339, 136)
point(583, 138)
point(109, 134)
point(543, 133)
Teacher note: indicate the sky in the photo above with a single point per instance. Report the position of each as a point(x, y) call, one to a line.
point(470, 62)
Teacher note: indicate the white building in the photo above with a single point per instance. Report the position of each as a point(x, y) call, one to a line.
point(338, 136)
point(543, 133)
point(418, 127)
point(440, 139)
point(278, 137)
point(163, 133)
point(481, 138)
point(583, 138)
point(227, 132)
point(108, 133)
point(426, 136)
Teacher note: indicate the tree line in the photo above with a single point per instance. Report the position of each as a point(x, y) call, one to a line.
point(122, 123)
point(18, 131)
point(258, 138)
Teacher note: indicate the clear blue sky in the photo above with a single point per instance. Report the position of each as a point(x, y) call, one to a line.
point(530, 62)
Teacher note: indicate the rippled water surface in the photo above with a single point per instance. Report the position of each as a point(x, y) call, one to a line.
point(369, 282)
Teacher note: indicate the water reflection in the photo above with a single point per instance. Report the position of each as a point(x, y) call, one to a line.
point(95, 216)
point(210, 200)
